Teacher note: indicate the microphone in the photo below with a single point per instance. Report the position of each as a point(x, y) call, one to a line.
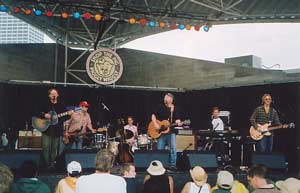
point(105, 107)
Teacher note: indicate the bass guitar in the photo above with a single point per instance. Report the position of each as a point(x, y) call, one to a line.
point(67, 135)
point(164, 128)
point(43, 124)
point(264, 130)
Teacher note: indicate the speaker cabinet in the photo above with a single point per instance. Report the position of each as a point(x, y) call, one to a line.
point(87, 158)
point(203, 159)
point(142, 158)
point(185, 142)
point(271, 160)
point(14, 159)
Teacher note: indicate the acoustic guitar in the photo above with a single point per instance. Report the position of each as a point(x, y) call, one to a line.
point(264, 130)
point(164, 128)
point(43, 124)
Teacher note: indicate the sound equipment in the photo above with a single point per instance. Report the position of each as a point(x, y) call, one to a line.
point(142, 158)
point(87, 158)
point(203, 159)
point(270, 160)
point(14, 159)
point(29, 140)
point(185, 142)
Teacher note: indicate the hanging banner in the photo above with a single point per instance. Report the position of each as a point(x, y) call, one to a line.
point(104, 66)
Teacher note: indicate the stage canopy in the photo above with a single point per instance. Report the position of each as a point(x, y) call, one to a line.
point(111, 23)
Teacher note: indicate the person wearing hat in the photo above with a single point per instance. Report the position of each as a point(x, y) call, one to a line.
point(290, 185)
point(167, 112)
point(77, 126)
point(199, 184)
point(157, 181)
point(224, 182)
point(237, 186)
point(68, 184)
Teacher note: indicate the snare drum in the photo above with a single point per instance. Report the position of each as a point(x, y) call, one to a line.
point(99, 138)
point(143, 140)
point(113, 147)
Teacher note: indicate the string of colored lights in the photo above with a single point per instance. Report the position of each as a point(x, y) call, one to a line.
point(98, 17)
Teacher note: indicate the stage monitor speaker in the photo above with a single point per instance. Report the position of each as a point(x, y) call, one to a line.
point(185, 142)
point(142, 158)
point(270, 160)
point(87, 158)
point(203, 159)
point(14, 159)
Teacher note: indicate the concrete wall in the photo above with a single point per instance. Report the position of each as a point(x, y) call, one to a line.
point(36, 62)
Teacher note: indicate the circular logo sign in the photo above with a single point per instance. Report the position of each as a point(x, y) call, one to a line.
point(104, 66)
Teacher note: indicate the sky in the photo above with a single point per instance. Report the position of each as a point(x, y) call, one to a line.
point(274, 43)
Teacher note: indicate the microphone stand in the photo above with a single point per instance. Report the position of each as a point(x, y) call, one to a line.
point(209, 143)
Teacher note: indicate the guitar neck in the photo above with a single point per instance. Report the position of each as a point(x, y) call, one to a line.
point(63, 114)
point(275, 127)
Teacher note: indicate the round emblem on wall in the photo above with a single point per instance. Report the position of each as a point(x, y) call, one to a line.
point(104, 66)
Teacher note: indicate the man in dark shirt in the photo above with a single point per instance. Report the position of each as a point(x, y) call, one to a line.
point(263, 117)
point(51, 137)
point(167, 111)
point(129, 174)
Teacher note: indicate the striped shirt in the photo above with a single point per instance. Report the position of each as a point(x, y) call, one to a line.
point(260, 116)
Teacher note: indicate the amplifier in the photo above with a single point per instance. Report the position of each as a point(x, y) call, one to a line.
point(185, 132)
point(29, 140)
point(185, 142)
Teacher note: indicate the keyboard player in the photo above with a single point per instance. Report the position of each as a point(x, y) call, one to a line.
point(217, 123)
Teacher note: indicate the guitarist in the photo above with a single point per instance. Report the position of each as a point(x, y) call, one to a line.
point(167, 111)
point(77, 126)
point(51, 137)
point(265, 114)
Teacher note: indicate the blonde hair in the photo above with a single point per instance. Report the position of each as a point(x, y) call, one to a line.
point(104, 160)
point(263, 98)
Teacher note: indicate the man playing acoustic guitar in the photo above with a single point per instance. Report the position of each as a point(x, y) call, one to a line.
point(77, 126)
point(167, 113)
point(262, 118)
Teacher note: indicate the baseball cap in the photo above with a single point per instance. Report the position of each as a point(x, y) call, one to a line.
point(74, 167)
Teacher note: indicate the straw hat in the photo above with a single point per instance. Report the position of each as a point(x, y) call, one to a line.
point(290, 185)
point(156, 168)
point(199, 175)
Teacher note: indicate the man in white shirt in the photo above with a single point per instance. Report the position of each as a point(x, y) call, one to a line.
point(217, 122)
point(131, 127)
point(102, 180)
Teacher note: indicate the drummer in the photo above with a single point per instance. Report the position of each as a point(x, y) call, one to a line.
point(131, 127)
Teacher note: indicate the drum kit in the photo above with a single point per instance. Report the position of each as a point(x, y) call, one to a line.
point(101, 140)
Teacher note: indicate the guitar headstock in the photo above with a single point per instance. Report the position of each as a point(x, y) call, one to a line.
point(291, 125)
point(186, 122)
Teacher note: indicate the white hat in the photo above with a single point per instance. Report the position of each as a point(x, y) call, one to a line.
point(198, 175)
point(74, 167)
point(156, 168)
point(290, 185)
point(225, 180)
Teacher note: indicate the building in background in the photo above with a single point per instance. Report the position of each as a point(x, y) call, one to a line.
point(16, 31)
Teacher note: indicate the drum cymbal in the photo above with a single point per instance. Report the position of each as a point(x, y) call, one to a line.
point(124, 133)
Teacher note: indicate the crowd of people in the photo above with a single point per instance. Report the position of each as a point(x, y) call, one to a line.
point(158, 180)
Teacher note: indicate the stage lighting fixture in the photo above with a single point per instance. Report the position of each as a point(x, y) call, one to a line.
point(3, 8)
point(37, 12)
point(181, 27)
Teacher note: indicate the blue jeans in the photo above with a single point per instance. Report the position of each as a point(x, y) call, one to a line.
point(75, 143)
point(265, 144)
point(170, 141)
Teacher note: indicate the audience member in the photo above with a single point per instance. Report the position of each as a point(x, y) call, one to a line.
point(237, 186)
point(6, 179)
point(157, 181)
point(68, 184)
point(128, 172)
point(224, 182)
point(28, 182)
point(257, 179)
point(290, 185)
point(199, 184)
point(102, 180)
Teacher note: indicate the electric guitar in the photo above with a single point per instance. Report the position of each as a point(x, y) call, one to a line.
point(67, 135)
point(164, 128)
point(264, 130)
point(43, 124)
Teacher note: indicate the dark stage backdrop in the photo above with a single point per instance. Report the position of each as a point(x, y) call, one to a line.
point(18, 104)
